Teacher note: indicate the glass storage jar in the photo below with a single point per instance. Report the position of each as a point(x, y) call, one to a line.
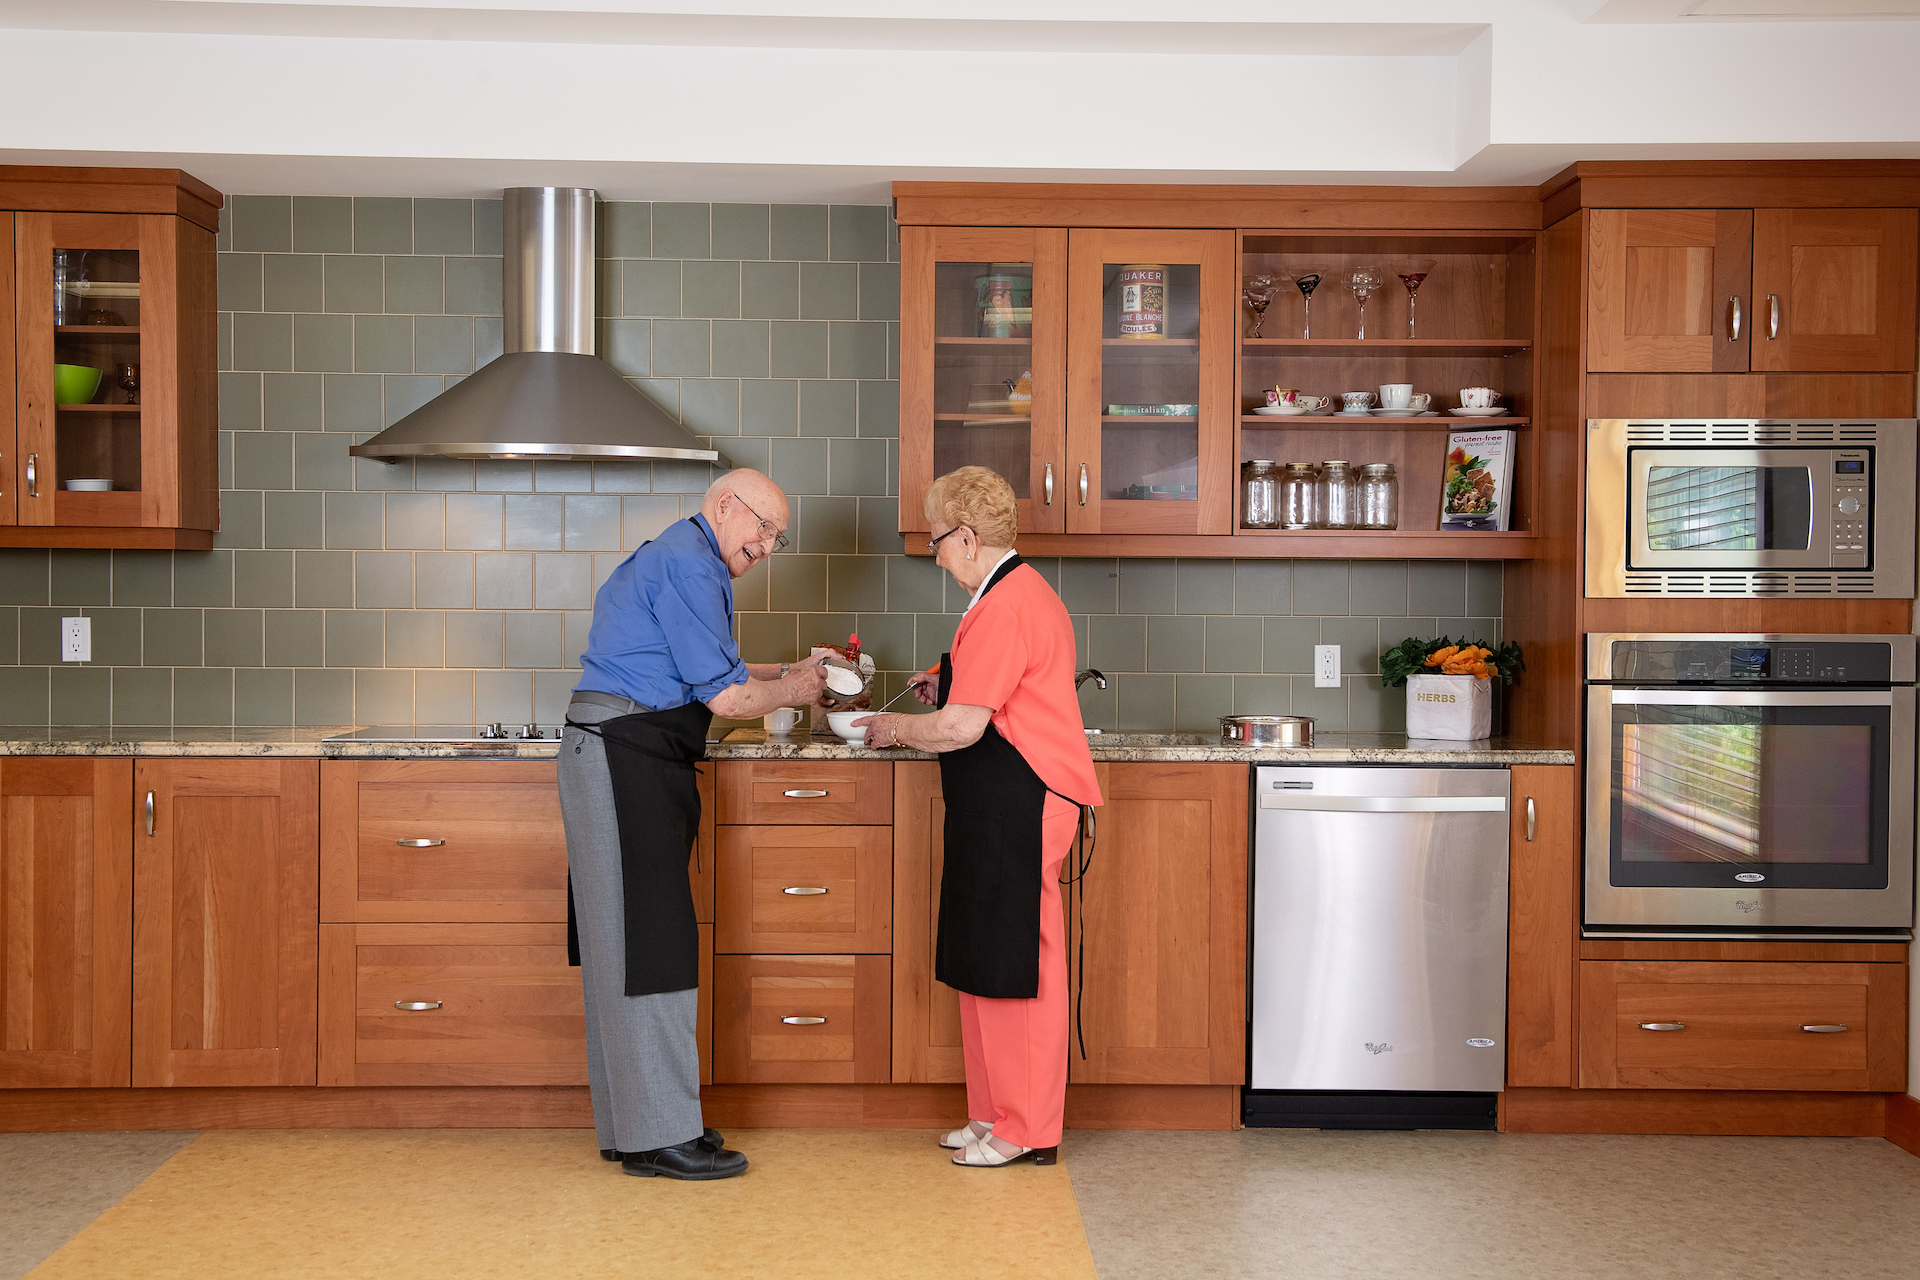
point(1259, 494)
point(1379, 496)
point(1339, 491)
point(1297, 494)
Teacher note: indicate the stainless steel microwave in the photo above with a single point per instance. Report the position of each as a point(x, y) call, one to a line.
point(1750, 508)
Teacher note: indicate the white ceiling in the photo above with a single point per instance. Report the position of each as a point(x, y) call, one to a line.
point(833, 99)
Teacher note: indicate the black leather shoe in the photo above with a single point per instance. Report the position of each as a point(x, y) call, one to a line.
point(709, 1138)
point(690, 1161)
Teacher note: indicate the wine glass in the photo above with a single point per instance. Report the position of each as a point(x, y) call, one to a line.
point(1411, 272)
point(1306, 282)
point(1257, 293)
point(127, 378)
point(1365, 282)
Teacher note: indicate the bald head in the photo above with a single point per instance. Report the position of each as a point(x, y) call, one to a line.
point(735, 508)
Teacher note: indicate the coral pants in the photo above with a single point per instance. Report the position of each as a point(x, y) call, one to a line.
point(1016, 1050)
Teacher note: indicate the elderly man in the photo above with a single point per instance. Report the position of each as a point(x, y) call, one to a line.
point(661, 662)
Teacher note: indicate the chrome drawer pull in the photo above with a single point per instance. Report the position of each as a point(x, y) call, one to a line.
point(802, 891)
point(1773, 316)
point(418, 844)
point(1530, 817)
point(803, 795)
point(416, 1006)
point(1663, 1026)
point(1733, 324)
point(1825, 1028)
point(149, 813)
point(803, 1022)
point(1083, 484)
point(1048, 487)
point(33, 475)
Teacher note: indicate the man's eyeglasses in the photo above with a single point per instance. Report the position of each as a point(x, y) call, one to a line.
point(934, 546)
point(767, 527)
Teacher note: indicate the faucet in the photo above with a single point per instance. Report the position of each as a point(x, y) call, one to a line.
point(1091, 673)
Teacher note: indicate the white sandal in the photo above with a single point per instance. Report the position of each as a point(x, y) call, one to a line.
point(980, 1154)
point(961, 1137)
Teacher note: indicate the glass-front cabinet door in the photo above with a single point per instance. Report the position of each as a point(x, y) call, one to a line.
point(983, 335)
point(1150, 382)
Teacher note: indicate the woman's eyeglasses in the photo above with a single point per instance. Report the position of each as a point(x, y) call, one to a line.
point(934, 546)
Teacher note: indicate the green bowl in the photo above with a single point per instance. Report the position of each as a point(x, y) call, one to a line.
point(75, 383)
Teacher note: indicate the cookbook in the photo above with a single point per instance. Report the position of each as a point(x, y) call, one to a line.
point(1477, 484)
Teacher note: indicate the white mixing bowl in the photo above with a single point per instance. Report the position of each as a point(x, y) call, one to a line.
point(841, 722)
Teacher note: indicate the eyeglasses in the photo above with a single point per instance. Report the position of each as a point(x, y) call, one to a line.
point(767, 528)
point(934, 546)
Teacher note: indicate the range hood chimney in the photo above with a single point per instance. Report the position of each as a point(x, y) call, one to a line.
point(547, 396)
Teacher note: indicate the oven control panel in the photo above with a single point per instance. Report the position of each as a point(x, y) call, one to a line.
point(1707, 659)
point(1852, 508)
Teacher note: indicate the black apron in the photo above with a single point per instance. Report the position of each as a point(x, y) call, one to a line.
point(652, 760)
point(989, 934)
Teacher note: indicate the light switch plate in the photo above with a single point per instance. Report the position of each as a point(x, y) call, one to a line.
point(76, 639)
point(1326, 666)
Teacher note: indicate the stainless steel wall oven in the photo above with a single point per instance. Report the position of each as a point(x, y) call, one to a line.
point(1749, 785)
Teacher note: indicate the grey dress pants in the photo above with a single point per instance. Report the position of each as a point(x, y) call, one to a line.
point(643, 1060)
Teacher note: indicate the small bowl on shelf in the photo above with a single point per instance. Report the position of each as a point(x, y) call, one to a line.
point(90, 484)
point(76, 383)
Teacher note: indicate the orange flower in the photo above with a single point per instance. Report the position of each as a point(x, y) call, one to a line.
point(1439, 656)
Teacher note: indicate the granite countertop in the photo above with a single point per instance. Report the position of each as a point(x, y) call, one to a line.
point(753, 744)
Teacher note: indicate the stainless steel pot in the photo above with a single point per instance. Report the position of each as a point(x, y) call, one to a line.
point(1267, 731)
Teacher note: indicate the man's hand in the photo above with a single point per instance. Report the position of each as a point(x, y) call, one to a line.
point(806, 682)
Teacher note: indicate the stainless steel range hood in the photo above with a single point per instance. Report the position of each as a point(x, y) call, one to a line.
point(547, 396)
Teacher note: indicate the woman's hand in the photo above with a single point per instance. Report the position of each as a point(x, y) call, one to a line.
point(882, 730)
point(926, 687)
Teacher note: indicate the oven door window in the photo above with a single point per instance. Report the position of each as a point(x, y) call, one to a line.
point(1704, 794)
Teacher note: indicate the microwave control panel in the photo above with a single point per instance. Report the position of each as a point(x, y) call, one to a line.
point(1852, 509)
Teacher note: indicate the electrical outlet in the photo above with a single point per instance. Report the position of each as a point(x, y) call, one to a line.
point(76, 639)
point(1326, 666)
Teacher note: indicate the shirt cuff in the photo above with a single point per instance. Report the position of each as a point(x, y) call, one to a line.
point(738, 675)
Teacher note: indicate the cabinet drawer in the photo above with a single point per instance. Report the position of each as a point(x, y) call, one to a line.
point(856, 792)
point(755, 996)
point(1697, 1025)
point(804, 889)
point(505, 1007)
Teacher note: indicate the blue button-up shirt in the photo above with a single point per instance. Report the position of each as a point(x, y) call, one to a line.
point(662, 629)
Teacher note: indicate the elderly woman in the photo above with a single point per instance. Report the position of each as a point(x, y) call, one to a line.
point(1014, 770)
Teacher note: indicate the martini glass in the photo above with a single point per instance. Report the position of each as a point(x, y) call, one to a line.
point(1306, 282)
point(1257, 292)
point(1365, 282)
point(1411, 272)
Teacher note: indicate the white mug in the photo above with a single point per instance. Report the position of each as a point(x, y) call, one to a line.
point(1478, 397)
point(781, 721)
point(1357, 401)
point(1396, 395)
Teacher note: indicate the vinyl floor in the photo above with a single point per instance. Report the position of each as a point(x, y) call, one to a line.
point(883, 1203)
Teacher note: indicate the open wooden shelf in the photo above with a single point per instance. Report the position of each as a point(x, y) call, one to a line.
point(1144, 419)
point(1149, 343)
point(72, 330)
point(983, 342)
point(1386, 346)
point(132, 409)
point(1444, 421)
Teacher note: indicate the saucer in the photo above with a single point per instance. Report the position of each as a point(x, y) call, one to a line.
point(1353, 413)
point(1397, 413)
point(1278, 411)
point(1477, 413)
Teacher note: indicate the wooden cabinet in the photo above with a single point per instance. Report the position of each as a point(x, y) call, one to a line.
point(926, 1013)
point(225, 922)
point(800, 1019)
point(805, 890)
point(1704, 1025)
point(1543, 919)
point(111, 271)
point(66, 909)
point(840, 792)
point(1772, 290)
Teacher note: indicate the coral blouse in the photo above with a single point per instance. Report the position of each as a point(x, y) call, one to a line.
point(1014, 653)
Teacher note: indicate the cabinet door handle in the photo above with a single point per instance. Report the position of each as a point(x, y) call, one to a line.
point(33, 475)
point(416, 1006)
point(1773, 316)
point(418, 844)
point(1825, 1028)
point(803, 794)
point(1047, 484)
point(1663, 1026)
point(1530, 816)
point(803, 891)
point(149, 813)
point(1733, 319)
point(803, 1022)
point(1083, 484)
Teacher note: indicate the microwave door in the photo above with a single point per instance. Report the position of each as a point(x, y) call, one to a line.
point(1728, 509)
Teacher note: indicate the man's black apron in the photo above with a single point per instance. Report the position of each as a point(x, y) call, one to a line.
point(652, 761)
point(989, 935)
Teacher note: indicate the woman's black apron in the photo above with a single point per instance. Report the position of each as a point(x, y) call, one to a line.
point(989, 934)
point(652, 759)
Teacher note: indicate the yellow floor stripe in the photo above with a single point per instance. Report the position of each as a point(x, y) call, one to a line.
point(839, 1204)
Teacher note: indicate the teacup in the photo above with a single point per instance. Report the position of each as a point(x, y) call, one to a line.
point(1421, 402)
point(1312, 404)
point(1478, 397)
point(1356, 401)
point(1282, 397)
point(781, 721)
point(1395, 395)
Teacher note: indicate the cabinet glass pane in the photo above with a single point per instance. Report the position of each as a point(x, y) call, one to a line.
point(983, 369)
point(1150, 381)
point(95, 309)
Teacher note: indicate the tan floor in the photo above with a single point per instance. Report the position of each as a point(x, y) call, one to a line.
point(531, 1203)
point(53, 1184)
point(1280, 1204)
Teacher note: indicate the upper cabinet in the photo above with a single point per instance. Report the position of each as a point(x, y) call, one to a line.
point(1767, 290)
point(111, 436)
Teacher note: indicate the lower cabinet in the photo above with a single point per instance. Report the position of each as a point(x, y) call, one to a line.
point(800, 1019)
point(66, 911)
point(1762, 1025)
point(225, 921)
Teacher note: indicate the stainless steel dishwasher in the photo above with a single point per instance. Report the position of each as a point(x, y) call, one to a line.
point(1379, 931)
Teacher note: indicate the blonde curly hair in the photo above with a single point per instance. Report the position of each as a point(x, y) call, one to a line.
point(978, 498)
